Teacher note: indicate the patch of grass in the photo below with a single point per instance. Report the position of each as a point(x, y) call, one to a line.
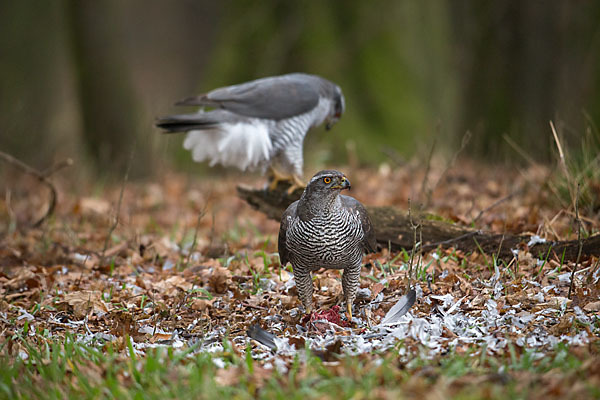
point(68, 369)
point(435, 217)
point(582, 165)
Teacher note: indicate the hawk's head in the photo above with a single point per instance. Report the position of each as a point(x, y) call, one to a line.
point(338, 106)
point(328, 180)
point(322, 194)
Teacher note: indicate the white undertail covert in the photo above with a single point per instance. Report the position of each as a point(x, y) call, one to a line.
point(245, 145)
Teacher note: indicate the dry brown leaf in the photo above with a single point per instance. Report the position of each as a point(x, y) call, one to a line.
point(202, 304)
point(92, 205)
point(85, 302)
point(170, 285)
point(25, 278)
point(592, 307)
point(220, 279)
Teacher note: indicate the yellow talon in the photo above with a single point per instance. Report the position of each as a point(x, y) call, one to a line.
point(296, 182)
point(349, 309)
point(277, 177)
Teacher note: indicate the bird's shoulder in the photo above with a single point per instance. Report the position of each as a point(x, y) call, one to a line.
point(291, 211)
point(351, 204)
point(288, 215)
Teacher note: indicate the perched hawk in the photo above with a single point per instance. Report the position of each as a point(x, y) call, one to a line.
point(258, 124)
point(326, 229)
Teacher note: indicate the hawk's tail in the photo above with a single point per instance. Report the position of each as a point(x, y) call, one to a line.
point(187, 122)
point(222, 138)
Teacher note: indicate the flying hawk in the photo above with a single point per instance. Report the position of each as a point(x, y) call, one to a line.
point(258, 124)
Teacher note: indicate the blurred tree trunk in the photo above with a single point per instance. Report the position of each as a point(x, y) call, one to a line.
point(31, 91)
point(108, 105)
point(523, 64)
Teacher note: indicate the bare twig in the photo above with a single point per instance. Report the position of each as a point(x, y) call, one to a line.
point(42, 177)
point(57, 167)
point(463, 144)
point(393, 155)
point(518, 149)
point(560, 150)
point(499, 249)
point(194, 241)
point(563, 163)
point(578, 222)
point(424, 189)
point(414, 228)
point(420, 261)
point(495, 204)
point(11, 214)
point(351, 155)
point(118, 211)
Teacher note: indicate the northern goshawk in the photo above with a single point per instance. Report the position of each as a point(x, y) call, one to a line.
point(324, 229)
point(258, 124)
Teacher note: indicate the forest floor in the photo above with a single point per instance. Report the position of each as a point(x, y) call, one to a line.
point(147, 290)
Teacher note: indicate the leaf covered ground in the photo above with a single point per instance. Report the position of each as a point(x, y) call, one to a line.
point(148, 289)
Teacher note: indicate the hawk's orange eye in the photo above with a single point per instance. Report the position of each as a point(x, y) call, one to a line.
point(327, 180)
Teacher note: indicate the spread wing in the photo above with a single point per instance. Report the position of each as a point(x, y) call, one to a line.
point(281, 245)
point(369, 242)
point(273, 98)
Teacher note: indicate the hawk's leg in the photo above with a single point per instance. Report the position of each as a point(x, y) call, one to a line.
point(296, 184)
point(277, 176)
point(305, 289)
point(350, 278)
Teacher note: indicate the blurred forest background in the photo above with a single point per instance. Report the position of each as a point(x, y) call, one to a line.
point(86, 79)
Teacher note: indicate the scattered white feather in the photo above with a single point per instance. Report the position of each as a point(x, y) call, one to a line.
point(535, 239)
point(243, 145)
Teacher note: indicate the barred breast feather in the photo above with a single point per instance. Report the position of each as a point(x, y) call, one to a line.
point(331, 241)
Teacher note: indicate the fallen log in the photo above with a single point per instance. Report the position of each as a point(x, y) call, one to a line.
point(395, 230)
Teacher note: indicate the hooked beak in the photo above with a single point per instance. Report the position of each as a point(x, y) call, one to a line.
point(331, 121)
point(343, 183)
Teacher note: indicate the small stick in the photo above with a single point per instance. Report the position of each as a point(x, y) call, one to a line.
point(560, 151)
point(463, 144)
point(578, 221)
point(495, 204)
point(424, 189)
point(118, 211)
point(193, 247)
point(412, 253)
point(393, 155)
point(563, 163)
point(42, 177)
point(518, 149)
point(57, 167)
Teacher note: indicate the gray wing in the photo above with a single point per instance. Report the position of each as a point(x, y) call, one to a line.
point(369, 242)
point(274, 98)
point(281, 241)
